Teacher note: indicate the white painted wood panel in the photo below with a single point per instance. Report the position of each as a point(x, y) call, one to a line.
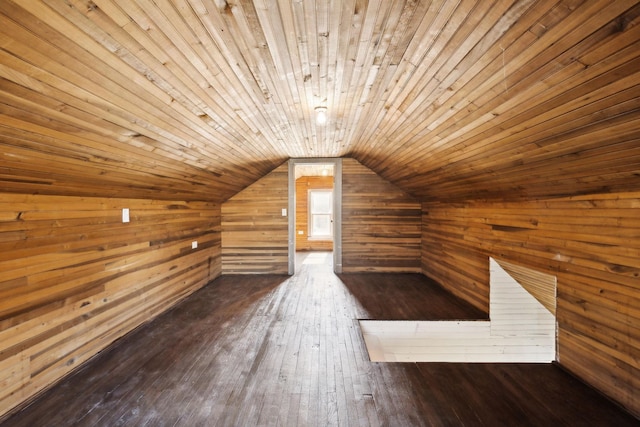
point(513, 310)
point(541, 285)
point(520, 330)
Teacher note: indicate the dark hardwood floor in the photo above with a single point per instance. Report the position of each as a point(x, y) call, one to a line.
point(287, 351)
point(383, 296)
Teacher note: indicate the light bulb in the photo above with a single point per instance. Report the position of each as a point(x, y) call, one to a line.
point(321, 115)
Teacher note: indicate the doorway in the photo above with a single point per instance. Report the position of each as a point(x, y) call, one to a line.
point(315, 206)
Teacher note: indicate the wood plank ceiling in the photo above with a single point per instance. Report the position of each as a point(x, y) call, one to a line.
point(196, 99)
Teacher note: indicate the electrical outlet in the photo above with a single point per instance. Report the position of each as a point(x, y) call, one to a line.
point(284, 212)
point(194, 244)
point(125, 214)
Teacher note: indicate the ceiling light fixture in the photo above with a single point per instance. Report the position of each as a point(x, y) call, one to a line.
point(321, 115)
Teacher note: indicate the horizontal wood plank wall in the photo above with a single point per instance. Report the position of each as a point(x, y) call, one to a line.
point(380, 223)
point(303, 185)
point(254, 232)
point(591, 243)
point(74, 277)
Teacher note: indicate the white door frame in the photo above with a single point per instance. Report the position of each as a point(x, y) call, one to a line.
point(337, 209)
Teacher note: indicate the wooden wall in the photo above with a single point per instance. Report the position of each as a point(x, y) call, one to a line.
point(591, 243)
point(380, 223)
point(303, 185)
point(254, 232)
point(75, 278)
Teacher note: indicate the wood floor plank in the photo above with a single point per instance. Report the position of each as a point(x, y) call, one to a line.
point(273, 350)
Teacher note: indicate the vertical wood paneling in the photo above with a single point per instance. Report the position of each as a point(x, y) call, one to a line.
point(74, 278)
point(303, 185)
point(254, 232)
point(380, 223)
point(590, 243)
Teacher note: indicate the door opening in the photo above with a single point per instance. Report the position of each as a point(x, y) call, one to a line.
point(315, 196)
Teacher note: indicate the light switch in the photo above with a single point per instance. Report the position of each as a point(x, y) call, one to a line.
point(284, 212)
point(194, 244)
point(125, 214)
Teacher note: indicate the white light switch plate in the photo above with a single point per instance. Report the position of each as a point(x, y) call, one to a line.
point(194, 244)
point(284, 212)
point(125, 214)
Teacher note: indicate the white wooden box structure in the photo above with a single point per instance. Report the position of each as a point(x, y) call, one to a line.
point(520, 329)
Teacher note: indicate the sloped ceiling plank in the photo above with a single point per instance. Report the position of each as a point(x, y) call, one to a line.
point(197, 99)
point(426, 156)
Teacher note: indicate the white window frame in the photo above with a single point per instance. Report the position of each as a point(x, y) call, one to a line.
point(310, 232)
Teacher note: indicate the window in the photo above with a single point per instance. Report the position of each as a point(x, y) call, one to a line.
point(320, 214)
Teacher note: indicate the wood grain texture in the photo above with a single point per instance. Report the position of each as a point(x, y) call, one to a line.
point(75, 278)
point(380, 223)
point(448, 100)
point(542, 286)
point(590, 243)
point(303, 185)
point(254, 232)
point(275, 350)
point(197, 100)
